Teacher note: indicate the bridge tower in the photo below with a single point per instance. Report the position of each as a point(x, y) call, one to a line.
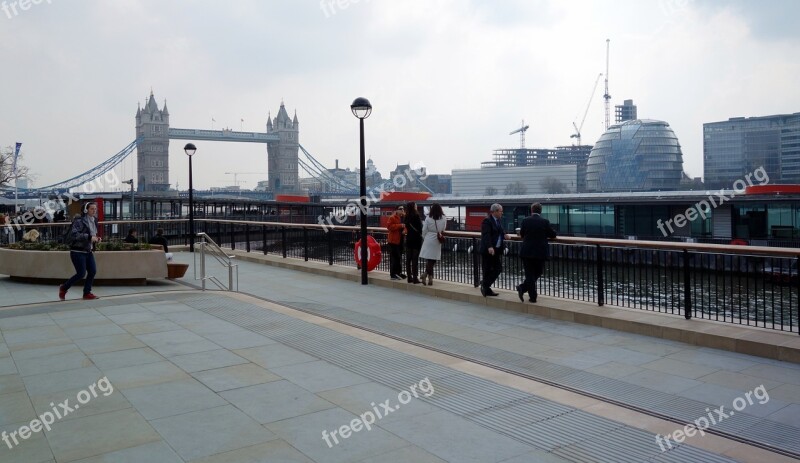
point(152, 151)
point(282, 155)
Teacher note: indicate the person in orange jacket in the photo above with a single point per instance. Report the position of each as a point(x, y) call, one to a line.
point(396, 231)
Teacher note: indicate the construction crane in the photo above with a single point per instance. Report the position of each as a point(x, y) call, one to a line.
point(521, 132)
point(578, 129)
point(236, 174)
point(607, 97)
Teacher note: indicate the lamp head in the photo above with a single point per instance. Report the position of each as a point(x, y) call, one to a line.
point(361, 108)
point(189, 149)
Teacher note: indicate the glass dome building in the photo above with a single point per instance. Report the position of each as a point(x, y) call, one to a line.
point(637, 155)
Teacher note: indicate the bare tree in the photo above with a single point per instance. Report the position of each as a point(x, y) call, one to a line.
point(490, 191)
point(7, 175)
point(516, 188)
point(554, 186)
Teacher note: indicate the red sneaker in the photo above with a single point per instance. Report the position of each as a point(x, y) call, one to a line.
point(62, 293)
point(90, 296)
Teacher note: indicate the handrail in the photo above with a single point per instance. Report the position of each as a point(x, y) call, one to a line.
point(639, 244)
point(659, 245)
point(223, 258)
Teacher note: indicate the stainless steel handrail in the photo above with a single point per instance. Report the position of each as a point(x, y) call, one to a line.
point(210, 247)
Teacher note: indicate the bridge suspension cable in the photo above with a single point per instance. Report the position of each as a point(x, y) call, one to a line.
point(92, 173)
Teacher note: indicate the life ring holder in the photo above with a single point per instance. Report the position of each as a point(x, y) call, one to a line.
point(373, 253)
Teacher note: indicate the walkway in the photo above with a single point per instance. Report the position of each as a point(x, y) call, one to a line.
point(215, 377)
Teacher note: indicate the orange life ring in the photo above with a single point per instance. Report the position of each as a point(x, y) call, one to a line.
point(739, 242)
point(373, 253)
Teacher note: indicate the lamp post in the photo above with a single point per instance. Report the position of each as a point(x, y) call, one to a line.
point(133, 207)
point(190, 149)
point(362, 108)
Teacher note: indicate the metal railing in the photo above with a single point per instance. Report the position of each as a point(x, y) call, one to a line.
point(207, 246)
point(748, 285)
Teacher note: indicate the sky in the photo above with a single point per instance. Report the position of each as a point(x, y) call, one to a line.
point(448, 79)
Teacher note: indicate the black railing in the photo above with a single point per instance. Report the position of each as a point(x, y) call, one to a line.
point(748, 285)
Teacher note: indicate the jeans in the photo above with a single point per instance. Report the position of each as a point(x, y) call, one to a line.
point(412, 263)
point(84, 266)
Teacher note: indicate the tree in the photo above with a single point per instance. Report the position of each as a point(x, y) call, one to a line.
point(490, 191)
point(7, 176)
point(554, 186)
point(516, 188)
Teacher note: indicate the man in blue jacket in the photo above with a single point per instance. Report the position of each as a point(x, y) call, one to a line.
point(493, 239)
point(535, 231)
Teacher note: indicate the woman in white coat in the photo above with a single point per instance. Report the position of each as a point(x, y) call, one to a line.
point(431, 250)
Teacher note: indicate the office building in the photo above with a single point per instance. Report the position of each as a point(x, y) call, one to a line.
point(737, 147)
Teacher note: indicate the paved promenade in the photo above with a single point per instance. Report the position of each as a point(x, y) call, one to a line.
point(301, 365)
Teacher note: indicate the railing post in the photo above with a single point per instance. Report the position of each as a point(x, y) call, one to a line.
point(247, 237)
point(687, 286)
point(203, 264)
point(219, 233)
point(600, 280)
point(233, 236)
point(264, 239)
point(330, 246)
point(476, 266)
point(305, 244)
point(284, 245)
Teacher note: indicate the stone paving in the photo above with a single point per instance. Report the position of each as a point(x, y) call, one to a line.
point(193, 384)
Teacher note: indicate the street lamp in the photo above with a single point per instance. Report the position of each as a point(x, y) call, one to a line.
point(362, 109)
point(133, 207)
point(190, 149)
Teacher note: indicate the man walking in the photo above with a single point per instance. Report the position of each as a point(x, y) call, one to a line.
point(535, 231)
point(492, 245)
point(396, 230)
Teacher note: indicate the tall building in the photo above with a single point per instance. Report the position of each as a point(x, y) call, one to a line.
point(152, 150)
point(282, 156)
point(736, 147)
point(558, 156)
point(638, 155)
point(626, 112)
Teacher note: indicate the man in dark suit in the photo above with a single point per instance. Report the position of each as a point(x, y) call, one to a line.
point(535, 231)
point(492, 245)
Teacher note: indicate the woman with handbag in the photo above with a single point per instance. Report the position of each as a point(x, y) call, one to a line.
point(432, 239)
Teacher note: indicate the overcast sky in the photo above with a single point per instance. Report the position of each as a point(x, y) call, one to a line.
point(448, 79)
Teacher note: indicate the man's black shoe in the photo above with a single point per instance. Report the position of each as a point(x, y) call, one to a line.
point(402, 275)
point(394, 277)
point(483, 291)
point(492, 293)
point(521, 293)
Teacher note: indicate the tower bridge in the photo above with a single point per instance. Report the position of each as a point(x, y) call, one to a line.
point(153, 133)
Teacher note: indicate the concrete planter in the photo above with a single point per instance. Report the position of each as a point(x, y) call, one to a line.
point(118, 267)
